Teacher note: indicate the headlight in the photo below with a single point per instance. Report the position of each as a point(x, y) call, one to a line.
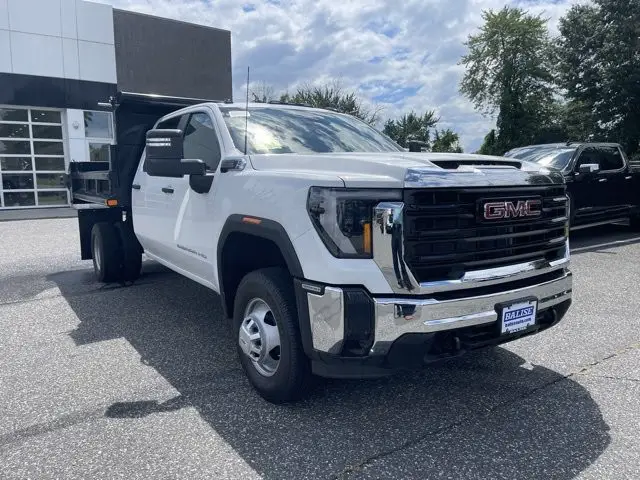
point(343, 217)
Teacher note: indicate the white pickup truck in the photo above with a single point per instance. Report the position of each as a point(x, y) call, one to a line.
point(334, 251)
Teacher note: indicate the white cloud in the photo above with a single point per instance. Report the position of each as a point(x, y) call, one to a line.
point(400, 55)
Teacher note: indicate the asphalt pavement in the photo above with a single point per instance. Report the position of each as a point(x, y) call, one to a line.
point(143, 382)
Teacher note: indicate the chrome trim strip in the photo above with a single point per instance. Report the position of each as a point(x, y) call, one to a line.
point(479, 176)
point(493, 276)
point(397, 316)
point(326, 315)
point(388, 248)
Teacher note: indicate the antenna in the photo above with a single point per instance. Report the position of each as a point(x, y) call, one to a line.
point(246, 115)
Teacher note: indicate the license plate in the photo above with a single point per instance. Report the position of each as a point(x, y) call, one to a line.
point(519, 316)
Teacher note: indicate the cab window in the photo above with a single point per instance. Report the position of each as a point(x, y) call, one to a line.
point(610, 158)
point(200, 140)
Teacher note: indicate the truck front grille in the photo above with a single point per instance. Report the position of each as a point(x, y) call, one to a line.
point(446, 235)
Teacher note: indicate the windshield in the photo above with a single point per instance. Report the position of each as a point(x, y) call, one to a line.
point(292, 130)
point(548, 156)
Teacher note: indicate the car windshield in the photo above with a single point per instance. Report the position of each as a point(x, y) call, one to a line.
point(298, 130)
point(548, 156)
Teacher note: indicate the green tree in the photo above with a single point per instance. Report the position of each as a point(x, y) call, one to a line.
point(411, 126)
point(446, 141)
point(333, 96)
point(489, 145)
point(599, 65)
point(508, 73)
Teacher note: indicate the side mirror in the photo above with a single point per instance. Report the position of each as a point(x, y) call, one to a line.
point(589, 168)
point(164, 156)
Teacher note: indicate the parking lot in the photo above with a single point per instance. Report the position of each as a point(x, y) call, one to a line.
point(143, 382)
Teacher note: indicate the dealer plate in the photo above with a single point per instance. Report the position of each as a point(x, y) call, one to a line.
point(518, 316)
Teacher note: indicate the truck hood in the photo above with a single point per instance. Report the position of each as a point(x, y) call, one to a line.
point(411, 170)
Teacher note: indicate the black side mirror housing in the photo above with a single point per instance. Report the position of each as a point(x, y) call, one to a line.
point(164, 155)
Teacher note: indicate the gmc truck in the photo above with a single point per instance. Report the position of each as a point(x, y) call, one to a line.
point(603, 185)
point(335, 252)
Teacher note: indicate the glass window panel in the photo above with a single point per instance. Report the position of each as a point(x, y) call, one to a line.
point(54, 164)
point(99, 152)
point(49, 180)
point(14, 115)
point(52, 198)
point(14, 130)
point(48, 148)
point(17, 181)
point(15, 163)
point(47, 131)
point(14, 147)
point(45, 116)
point(98, 125)
point(19, 199)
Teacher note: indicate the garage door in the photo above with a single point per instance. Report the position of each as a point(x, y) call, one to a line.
point(31, 158)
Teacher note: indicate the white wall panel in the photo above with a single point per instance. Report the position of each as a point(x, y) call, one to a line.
point(77, 150)
point(95, 22)
point(4, 14)
point(35, 16)
point(5, 52)
point(70, 58)
point(36, 55)
point(97, 62)
point(68, 17)
point(75, 118)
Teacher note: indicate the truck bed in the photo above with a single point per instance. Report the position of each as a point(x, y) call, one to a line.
point(108, 184)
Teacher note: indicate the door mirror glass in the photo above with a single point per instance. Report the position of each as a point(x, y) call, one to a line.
point(589, 168)
point(164, 155)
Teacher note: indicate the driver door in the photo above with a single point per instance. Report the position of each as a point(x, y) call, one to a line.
point(192, 213)
point(590, 194)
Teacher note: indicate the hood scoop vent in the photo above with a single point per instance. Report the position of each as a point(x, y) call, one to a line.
point(455, 164)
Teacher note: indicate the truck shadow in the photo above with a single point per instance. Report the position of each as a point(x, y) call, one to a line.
point(485, 411)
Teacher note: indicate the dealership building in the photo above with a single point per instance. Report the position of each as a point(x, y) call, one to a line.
point(63, 61)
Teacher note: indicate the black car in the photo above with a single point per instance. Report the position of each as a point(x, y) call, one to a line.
point(603, 186)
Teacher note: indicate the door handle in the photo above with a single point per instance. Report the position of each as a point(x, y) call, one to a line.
point(602, 180)
point(628, 177)
point(135, 186)
point(167, 189)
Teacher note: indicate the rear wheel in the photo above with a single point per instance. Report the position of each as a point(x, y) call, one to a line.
point(106, 252)
point(269, 346)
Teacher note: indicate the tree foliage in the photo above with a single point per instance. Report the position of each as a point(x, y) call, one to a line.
point(411, 126)
point(333, 96)
point(599, 65)
point(446, 141)
point(508, 73)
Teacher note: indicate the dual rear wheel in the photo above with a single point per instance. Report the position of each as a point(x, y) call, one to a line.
point(116, 253)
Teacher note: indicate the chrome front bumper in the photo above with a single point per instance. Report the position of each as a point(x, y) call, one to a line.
point(395, 317)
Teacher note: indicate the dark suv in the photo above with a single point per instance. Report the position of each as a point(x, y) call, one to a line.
point(603, 186)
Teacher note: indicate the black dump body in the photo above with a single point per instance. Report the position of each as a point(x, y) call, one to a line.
point(101, 191)
point(134, 114)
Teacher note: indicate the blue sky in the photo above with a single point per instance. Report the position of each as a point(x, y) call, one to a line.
point(398, 55)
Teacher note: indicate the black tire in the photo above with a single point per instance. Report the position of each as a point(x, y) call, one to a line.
point(131, 253)
point(106, 252)
point(291, 379)
point(634, 223)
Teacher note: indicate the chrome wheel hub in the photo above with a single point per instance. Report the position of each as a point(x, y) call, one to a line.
point(259, 338)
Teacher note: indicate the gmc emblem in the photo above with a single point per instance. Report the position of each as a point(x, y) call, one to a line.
point(521, 208)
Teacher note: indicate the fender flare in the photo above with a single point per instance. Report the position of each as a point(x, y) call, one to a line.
point(262, 228)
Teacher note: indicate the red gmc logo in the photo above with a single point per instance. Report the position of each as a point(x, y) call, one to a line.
point(521, 208)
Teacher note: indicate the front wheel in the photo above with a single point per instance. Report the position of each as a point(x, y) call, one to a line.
point(269, 346)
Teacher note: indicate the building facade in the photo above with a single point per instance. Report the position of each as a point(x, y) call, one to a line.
point(61, 59)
